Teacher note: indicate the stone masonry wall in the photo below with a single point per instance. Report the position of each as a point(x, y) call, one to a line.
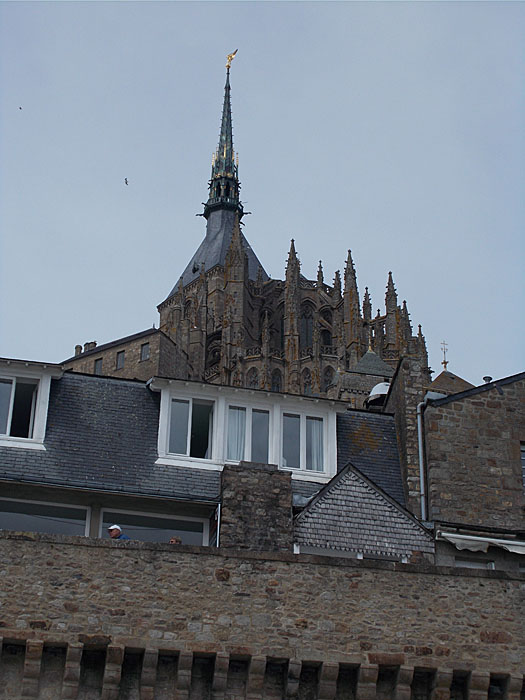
point(408, 388)
point(180, 599)
point(134, 367)
point(256, 508)
point(473, 449)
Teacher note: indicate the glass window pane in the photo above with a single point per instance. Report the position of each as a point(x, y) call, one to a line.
point(178, 443)
point(236, 432)
point(23, 408)
point(260, 435)
point(5, 398)
point(314, 444)
point(42, 517)
point(201, 433)
point(152, 528)
point(291, 441)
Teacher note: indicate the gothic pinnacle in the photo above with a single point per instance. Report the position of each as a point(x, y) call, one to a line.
point(349, 267)
point(320, 277)
point(367, 306)
point(391, 295)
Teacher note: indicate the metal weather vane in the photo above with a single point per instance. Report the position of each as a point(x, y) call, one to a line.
point(444, 347)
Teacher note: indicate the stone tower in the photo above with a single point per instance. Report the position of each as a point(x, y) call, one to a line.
point(226, 322)
point(239, 327)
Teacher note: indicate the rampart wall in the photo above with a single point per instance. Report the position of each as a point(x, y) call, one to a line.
point(87, 618)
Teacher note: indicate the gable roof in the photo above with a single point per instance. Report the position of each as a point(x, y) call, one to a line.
point(450, 383)
point(368, 440)
point(352, 514)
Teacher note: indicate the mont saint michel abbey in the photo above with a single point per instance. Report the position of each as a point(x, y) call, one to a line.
point(265, 498)
point(230, 324)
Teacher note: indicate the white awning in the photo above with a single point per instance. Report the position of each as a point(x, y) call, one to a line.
point(480, 544)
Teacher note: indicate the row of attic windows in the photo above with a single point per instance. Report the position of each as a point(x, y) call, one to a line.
point(248, 434)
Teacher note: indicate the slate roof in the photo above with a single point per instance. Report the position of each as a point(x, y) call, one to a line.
point(369, 442)
point(213, 249)
point(372, 364)
point(119, 341)
point(102, 435)
point(351, 514)
point(450, 383)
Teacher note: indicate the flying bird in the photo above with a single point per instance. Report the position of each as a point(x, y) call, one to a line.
point(126, 180)
point(20, 108)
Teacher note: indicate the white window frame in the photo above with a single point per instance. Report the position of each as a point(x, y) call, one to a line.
point(302, 437)
point(190, 400)
point(224, 397)
point(166, 516)
point(13, 369)
point(13, 381)
point(249, 408)
point(60, 505)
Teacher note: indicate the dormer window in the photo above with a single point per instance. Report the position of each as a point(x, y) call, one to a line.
point(24, 396)
point(191, 428)
point(204, 426)
point(248, 434)
point(17, 406)
point(303, 442)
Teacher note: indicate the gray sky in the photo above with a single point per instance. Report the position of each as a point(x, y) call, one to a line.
point(393, 129)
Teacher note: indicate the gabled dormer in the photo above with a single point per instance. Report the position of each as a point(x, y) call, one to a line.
point(24, 397)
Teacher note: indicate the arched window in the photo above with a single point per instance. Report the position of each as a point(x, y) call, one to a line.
point(306, 328)
point(326, 338)
point(306, 377)
point(326, 315)
point(276, 380)
point(252, 379)
point(328, 378)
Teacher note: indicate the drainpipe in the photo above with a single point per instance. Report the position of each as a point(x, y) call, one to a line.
point(422, 482)
point(423, 496)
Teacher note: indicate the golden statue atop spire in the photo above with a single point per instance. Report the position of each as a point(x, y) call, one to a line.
point(229, 59)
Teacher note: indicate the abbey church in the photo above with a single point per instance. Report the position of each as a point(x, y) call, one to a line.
point(230, 324)
point(266, 497)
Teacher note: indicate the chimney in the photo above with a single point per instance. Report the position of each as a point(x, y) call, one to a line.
point(78, 350)
point(487, 379)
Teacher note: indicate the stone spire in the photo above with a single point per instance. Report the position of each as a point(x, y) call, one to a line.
point(406, 326)
point(291, 321)
point(351, 310)
point(367, 306)
point(320, 276)
point(392, 321)
point(222, 208)
point(391, 295)
point(224, 183)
